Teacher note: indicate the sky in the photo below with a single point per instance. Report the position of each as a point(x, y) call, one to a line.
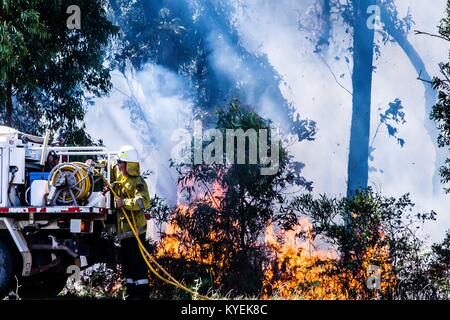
point(271, 28)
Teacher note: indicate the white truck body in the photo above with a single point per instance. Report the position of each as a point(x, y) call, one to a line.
point(63, 225)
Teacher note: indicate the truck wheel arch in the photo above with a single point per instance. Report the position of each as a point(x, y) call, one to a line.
point(18, 247)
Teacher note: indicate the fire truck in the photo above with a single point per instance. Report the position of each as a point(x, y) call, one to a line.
point(55, 214)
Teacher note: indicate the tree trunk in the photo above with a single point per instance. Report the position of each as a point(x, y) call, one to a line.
point(358, 160)
point(9, 104)
point(324, 40)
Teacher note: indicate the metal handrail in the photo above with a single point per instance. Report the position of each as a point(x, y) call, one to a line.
point(83, 151)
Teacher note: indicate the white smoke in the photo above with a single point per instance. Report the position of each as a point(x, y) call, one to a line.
point(316, 89)
point(158, 109)
point(313, 87)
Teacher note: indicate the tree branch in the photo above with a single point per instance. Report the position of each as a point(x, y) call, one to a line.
point(422, 79)
point(334, 76)
point(431, 35)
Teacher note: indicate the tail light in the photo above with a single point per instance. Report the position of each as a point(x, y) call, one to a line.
point(81, 226)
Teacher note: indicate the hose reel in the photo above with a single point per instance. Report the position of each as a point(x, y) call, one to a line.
point(70, 183)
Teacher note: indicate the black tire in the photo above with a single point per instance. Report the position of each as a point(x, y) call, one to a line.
point(6, 269)
point(46, 286)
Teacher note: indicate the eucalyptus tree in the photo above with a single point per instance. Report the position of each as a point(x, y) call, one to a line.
point(51, 67)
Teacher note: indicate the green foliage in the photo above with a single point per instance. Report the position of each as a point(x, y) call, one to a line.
point(367, 221)
point(49, 73)
point(18, 25)
point(224, 229)
point(441, 110)
point(439, 271)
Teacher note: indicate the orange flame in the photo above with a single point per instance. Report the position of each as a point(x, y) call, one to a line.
point(300, 268)
point(301, 271)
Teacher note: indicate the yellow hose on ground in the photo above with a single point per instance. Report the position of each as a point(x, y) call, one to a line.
point(147, 256)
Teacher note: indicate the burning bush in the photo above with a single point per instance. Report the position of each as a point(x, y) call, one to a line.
point(228, 208)
point(237, 231)
point(367, 233)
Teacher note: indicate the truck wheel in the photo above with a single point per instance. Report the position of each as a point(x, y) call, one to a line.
point(6, 269)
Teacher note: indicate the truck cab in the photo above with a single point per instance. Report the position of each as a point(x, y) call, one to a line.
point(55, 214)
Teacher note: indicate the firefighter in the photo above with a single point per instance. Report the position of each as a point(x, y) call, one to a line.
point(133, 196)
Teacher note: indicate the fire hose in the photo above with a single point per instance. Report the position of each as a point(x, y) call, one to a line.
point(70, 183)
point(147, 256)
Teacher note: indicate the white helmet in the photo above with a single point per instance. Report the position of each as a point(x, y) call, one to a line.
point(128, 154)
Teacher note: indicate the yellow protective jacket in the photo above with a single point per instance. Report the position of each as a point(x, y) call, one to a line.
point(130, 188)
